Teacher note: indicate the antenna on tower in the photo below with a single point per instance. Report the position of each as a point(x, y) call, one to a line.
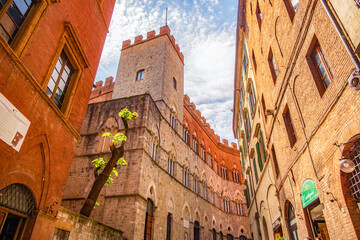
point(166, 16)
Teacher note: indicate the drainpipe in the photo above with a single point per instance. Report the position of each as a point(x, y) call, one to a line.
point(341, 34)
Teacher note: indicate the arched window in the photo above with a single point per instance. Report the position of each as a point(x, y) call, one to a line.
point(266, 233)
point(149, 220)
point(229, 237)
point(171, 165)
point(153, 145)
point(292, 222)
point(196, 230)
point(214, 234)
point(19, 199)
point(140, 74)
point(353, 178)
point(186, 177)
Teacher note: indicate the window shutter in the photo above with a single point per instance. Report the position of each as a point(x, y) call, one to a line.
point(259, 156)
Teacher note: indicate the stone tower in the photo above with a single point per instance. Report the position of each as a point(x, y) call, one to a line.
point(163, 65)
point(181, 182)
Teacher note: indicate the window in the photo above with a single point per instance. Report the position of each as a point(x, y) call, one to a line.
point(254, 60)
point(174, 83)
point(205, 192)
point(247, 126)
point(12, 15)
point(263, 106)
point(239, 209)
point(196, 185)
point(168, 226)
point(209, 161)
point(262, 149)
point(216, 166)
point(259, 16)
point(60, 234)
point(185, 136)
point(277, 171)
point(235, 176)
point(140, 74)
point(260, 159)
point(353, 178)
point(172, 120)
point(212, 197)
point(171, 166)
point(202, 150)
point(186, 178)
point(60, 80)
point(252, 100)
point(224, 172)
point(226, 204)
point(153, 146)
point(289, 126)
point(319, 67)
point(214, 233)
point(255, 171)
point(195, 143)
point(273, 69)
point(247, 196)
point(149, 219)
point(196, 230)
point(291, 7)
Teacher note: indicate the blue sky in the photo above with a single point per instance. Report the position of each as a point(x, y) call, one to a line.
point(205, 31)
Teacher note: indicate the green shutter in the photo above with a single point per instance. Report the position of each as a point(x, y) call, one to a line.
point(259, 156)
point(256, 173)
point(263, 145)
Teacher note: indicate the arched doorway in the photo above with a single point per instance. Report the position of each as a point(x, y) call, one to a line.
point(351, 181)
point(149, 220)
point(242, 237)
point(291, 221)
point(16, 205)
point(313, 210)
point(266, 233)
point(196, 230)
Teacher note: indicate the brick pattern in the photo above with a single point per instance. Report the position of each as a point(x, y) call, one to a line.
point(320, 120)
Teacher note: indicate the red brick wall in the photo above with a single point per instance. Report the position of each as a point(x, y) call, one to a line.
point(44, 159)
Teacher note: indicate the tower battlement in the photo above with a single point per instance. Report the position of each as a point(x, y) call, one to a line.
point(165, 30)
point(206, 126)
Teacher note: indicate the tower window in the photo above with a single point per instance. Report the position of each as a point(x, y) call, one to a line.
point(60, 80)
point(171, 166)
point(174, 83)
point(319, 67)
point(140, 74)
point(13, 14)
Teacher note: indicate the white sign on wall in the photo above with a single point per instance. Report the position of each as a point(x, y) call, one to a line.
point(186, 223)
point(13, 125)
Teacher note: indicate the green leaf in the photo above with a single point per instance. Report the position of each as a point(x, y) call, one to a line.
point(106, 134)
point(122, 162)
point(115, 172)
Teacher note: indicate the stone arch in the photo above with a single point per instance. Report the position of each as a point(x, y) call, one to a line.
point(196, 171)
point(213, 222)
point(151, 193)
point(262, 208)
point(37, 153)
point(203, 177)
point(170, 203)
point(351, 151)
point(275, 33)
point(186, 163)
point(243, 232)
point(197, 216)
point(186, 213)
point(206, 222)
point(110, 123)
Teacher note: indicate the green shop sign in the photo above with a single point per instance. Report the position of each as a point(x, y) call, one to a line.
point(309, 192)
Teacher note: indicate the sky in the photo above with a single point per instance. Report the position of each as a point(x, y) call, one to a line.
point(205, 31)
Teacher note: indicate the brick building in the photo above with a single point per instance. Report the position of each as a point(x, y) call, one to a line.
point(181, 182)
point(47, 68)
point(304, 56)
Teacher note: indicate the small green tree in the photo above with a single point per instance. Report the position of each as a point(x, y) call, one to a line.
point(105, 170)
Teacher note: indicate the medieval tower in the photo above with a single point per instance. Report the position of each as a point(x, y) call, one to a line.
point(181, 182)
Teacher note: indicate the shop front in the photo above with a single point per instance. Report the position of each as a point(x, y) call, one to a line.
point(313, 210)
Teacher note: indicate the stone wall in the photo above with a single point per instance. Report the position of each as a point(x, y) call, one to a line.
point(83, 228)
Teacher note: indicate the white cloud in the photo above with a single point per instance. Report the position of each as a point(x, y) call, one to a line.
point(207, 41)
